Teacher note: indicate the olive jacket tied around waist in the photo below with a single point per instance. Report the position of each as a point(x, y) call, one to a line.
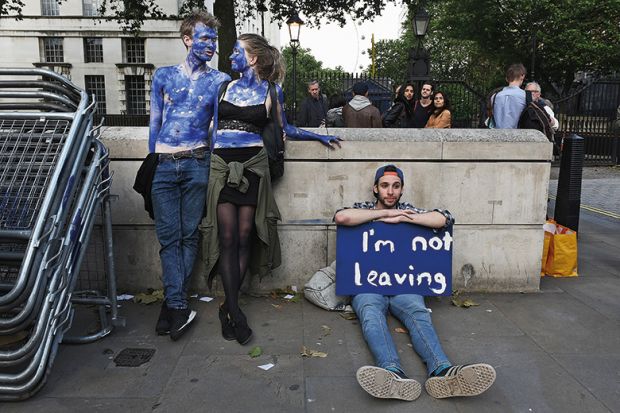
point(265, 251)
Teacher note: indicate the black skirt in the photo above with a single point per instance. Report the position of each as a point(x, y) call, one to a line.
point(232, 195)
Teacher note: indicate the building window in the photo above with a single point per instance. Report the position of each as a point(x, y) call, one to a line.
point(136, 95)
point(91, 7)
point(52, 50)
point(95, 85)
point(133, 50)
point(50, 8)
point(93, 50)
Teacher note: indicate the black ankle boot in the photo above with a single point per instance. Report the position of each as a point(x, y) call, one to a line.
point(228, 331)
point(243, 332)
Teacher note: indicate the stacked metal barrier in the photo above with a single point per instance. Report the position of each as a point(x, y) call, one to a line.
point(53, 177)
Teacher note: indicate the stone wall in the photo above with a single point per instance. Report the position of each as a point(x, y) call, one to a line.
point(494, 182)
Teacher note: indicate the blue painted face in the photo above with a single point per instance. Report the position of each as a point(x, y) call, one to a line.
point(204, 42)
point(238, 59)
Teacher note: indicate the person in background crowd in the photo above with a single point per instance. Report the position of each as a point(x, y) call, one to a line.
point(400, 115)
point(334, 114)
point(508, 104)
point(535, 89)
point(441, 116)
point(360, 112)
point(313, 109)
point(423, 107)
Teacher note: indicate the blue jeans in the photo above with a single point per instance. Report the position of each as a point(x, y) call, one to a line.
point(179, 194)
point(371, 309)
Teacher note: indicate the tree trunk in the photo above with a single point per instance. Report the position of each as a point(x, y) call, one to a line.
point(227, 34)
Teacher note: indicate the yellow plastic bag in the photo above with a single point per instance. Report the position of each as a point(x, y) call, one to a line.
point(559, 251)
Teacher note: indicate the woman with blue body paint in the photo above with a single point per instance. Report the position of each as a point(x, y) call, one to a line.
point(239, 199)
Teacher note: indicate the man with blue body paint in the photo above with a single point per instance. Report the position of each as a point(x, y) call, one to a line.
point(387, 380)
point(183, 99)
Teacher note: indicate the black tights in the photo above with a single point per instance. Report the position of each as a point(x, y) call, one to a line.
point(235, 224)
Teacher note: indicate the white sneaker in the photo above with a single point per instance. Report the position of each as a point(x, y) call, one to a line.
point(464, 380)
point(385, 384)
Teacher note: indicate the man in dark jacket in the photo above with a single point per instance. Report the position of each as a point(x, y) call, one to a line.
point(313, 109)
point(359, 112)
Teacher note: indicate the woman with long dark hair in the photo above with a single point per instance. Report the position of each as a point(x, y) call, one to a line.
point(400, 115)
point(441, 116)
point(239, 197)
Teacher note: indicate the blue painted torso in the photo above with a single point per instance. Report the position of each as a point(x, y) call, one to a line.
point(182, 107)
point(246, 103)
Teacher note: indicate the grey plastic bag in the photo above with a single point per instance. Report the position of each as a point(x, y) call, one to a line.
point(320, 290)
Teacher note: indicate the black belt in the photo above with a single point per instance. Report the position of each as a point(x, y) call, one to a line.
point(239, 125)
point(198, 153)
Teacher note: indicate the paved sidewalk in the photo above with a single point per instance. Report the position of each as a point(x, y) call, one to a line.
point(554, 351)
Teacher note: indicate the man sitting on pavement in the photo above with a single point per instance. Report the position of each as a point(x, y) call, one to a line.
point(387, 379)
point(360, 112)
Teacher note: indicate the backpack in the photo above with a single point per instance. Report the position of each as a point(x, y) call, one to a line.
point(535, 117)
point(273, 136)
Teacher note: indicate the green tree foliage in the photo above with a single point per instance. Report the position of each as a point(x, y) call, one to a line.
point(450, 58)
point(475, 40)
point(571, 35)
point(308, 68)
point(11, 8)
point(391, 59)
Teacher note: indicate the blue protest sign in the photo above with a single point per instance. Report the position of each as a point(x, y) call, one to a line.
point(391, 259)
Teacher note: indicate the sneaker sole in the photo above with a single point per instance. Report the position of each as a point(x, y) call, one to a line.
point(470, 381)
point(176, 335)
point(381, 383)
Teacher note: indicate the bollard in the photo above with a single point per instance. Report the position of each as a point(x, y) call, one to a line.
point(568, 197)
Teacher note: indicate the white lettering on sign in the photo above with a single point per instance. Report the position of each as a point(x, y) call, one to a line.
point(435, 243)
point(365, 239)
point(378, 244)
point(406, 278)
point(381, 243)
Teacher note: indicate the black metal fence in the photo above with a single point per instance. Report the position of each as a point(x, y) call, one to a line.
point(590, 112)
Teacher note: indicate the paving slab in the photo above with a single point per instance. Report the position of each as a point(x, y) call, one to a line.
point(231, 383)
point(599, 373)
point(561, 324)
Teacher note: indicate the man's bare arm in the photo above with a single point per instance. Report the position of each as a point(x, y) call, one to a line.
point(431, 219)
point(356, 216)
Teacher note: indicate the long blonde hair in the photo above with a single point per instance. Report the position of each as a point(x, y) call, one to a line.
point(269, 62)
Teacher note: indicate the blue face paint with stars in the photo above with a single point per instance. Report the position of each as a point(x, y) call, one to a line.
point(183, 97)
point(204, 44)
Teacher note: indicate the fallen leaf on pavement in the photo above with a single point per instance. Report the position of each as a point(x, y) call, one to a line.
point(307, 352)
point(326, 330)
point(348, 316)
point(463, 303)
point(255, 352)
point(149, 297)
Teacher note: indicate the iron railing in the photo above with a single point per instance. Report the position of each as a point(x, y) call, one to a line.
point(590, 112)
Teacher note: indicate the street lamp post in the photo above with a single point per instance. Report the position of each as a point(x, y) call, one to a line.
point(419, 59)
point(294, 28)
